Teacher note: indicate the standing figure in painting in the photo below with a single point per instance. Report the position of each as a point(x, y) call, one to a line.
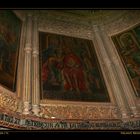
point(57, 65)
point(131, 56)
point(51, 70)
point(134, 72)
point(74, 79)
point(7, 46)
point(92, 75)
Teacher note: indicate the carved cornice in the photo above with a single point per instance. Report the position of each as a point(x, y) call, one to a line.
point(57, 21)
point(124, 22)
point(65, 28)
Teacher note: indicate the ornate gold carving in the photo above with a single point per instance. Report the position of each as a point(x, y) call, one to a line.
point(79, 112)
point(8, 101)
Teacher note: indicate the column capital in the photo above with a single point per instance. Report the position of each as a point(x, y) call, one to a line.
point(24, 18)
point(102, 25)
point(95, 27)
point(29, 15)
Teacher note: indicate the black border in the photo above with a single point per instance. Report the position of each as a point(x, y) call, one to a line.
point(68, 135)
point(70, 4)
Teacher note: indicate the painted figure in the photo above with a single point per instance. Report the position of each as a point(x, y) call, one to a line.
point(90, 72)
point(69, 70)
point(51, 70)
point(73, 72)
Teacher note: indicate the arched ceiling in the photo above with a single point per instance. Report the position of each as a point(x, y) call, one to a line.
point(82, 16)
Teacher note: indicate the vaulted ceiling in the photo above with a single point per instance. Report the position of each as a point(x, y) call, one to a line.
point(81, 16)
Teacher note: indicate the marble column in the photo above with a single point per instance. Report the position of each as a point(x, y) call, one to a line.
point(27, 67)
point(35, 70)
point(20, 65)
point(127, 90)
point(110, 73)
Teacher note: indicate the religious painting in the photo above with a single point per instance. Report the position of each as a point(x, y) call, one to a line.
point(10, 27)
point(70, 70)
point(128, 46)
point(136, 31)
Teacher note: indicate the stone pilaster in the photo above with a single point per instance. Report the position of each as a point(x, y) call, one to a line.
point(27, 67)
point(35, 70)
point(20, 65)
point(110, 73)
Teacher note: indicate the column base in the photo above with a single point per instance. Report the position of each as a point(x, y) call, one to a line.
point(135, 112)
point(125, 116)
point(26, 108)
point(36, 110)
point(20, 107)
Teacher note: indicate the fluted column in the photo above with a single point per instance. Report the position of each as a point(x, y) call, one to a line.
point(35, 70)
point(127, 90)
point(20, 64)
point(117, 93)
point(27, 67)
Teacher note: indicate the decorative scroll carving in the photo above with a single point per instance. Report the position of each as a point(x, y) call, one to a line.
point(79, 112)
point(8, 102)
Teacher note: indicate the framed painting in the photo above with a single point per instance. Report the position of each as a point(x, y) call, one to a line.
point(10, 27)
point(128, 47)
point(70, 70)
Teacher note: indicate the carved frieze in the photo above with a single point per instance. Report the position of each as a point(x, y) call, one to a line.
point(8, 101)
point(84, 112)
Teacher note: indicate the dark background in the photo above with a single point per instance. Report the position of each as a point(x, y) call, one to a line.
point(131, 4)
